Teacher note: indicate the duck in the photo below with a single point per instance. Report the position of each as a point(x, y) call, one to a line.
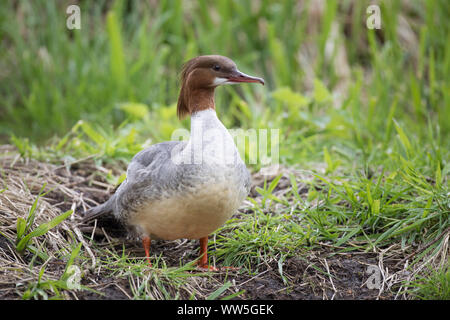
point(186, 189)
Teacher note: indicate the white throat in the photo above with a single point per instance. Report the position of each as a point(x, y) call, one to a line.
point(210, 142)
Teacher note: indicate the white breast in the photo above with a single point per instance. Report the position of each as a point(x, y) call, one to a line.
point(191, 216)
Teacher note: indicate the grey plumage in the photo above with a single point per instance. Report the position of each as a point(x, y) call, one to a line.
point(172, 170)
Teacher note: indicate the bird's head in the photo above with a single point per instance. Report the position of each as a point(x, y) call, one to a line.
point(199, 78)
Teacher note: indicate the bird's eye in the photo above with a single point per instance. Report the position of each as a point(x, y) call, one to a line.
point(216, 67)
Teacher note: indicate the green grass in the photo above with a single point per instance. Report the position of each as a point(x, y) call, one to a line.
point(24, 232)
point(50, 288)
point(373, 142)
point(434, 287)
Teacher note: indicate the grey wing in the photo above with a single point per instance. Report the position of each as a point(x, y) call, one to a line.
point(151, 159)
point(148, 175)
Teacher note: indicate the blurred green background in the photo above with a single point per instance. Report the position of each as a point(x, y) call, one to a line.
point(330, 81)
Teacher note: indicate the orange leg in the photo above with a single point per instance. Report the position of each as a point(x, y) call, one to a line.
point(146, 241)
point(203, 262)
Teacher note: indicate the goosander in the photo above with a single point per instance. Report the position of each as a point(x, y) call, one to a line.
point(186, 189)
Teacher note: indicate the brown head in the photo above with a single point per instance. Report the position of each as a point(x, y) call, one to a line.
point(199, 78)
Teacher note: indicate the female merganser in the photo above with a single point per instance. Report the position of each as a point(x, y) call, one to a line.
point(186, 189)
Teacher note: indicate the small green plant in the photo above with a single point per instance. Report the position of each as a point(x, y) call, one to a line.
point(23, 226)
point(267, 191)
point(331, 164)
point(433, 287)
point(217, 293)
point(52, 289)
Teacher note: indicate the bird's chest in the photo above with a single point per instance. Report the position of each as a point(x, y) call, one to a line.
point(191, 215)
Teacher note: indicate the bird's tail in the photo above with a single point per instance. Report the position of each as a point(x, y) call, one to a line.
point(100, 210)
